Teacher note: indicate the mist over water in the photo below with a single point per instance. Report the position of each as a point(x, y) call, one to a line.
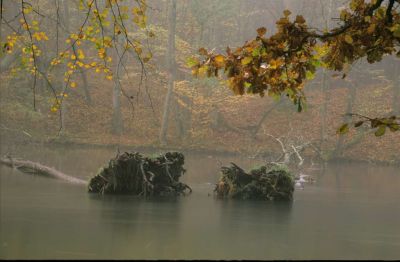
point(350, 212)
point(94, 98)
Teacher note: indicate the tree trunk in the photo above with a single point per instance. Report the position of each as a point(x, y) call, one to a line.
point(63, 108)
point(39, 169)
point(172, 71)
point(350, 102)
point(396, 88)
point(117, 124)
point(325, 86)
point(85, 87)
point(324, 108)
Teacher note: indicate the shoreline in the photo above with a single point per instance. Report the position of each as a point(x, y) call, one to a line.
point(65, 142)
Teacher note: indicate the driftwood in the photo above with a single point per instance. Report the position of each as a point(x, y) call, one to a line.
point(272, 182)
point(30, 167)
point(133, 173)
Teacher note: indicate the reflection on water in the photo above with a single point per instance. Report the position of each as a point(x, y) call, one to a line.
point(351, 212)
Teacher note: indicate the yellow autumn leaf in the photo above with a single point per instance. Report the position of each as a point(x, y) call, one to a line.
point(219, 60)
point(73, 84)
point(348, 39)
point(274, 64)
point(81, 55)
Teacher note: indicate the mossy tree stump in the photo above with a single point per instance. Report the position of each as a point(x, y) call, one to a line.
point(271, 182)
point(133, 173)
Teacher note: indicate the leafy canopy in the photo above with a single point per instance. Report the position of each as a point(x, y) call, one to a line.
point(282, 63)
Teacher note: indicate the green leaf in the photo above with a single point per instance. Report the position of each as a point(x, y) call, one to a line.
point(309, 75)
point(396, 30)
point(192, 61)
point(381, 130)
point(343, 129)
point(247, 60)
point(276, 97)
point(299, 106)
point(290, 92)
point(316, 62)
point(394, 127)
point(256, 52)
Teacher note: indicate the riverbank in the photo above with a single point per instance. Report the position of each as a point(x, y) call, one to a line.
point(9, 141)
point(215, 123)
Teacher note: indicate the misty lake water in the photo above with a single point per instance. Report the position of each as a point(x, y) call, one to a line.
point(352, 211)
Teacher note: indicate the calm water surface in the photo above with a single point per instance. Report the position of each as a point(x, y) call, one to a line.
point(352, 212)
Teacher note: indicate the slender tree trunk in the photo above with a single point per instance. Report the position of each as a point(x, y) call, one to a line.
point(325, 86)
point(117, 124)
point(63, 109)
point(350, 102)
point(324, 107)
point(85, 87)
point(396, 88)
point(117, 121)
point(172, 71)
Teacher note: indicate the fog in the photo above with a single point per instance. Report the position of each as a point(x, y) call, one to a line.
point(106, 77)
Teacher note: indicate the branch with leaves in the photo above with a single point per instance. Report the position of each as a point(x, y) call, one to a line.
point(88, 47)
point(282, 63)
point(380, 124)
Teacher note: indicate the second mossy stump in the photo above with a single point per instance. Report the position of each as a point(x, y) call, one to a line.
point(133, 173)
point(273, 182)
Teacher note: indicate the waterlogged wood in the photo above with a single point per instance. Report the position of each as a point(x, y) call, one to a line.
point(30, 167)
point(135, 174)
point(270, 182)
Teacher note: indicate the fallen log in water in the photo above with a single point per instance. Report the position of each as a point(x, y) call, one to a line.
point(273, 182)
point(132, 173)
point(30, 167)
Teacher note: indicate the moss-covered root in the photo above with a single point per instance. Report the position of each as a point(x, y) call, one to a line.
point(269, 183)
point(133, 173)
